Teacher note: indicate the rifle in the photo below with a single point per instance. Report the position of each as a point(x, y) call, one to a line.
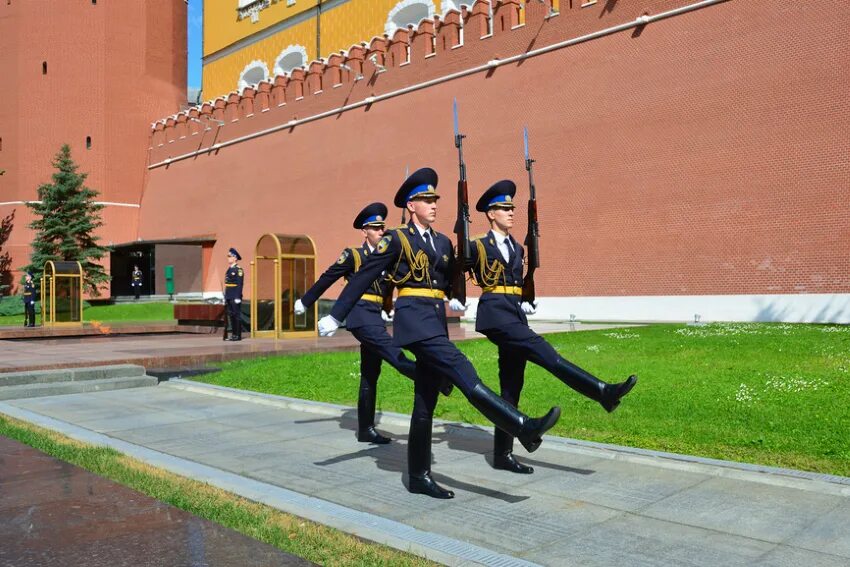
point(226, 318)
point(404, 210)
point(531, 239)
point(464, 253)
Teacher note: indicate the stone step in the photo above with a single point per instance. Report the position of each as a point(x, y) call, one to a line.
point(21, 391)
point(71, 374)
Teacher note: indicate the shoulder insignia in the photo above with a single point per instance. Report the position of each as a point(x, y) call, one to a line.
point(240, 273)
point(343, 257)
point(445, 258)
point(383, 244)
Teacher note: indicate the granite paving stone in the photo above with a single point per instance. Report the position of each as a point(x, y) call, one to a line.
point(585, 504)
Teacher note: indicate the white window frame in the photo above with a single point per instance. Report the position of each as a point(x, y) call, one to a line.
point(299, 49)
point(256, 63)
point(390, 27)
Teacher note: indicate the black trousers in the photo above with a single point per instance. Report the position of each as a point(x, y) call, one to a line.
point(436, 358)
point(29, 314)
point(376, 346)
point(234, 314)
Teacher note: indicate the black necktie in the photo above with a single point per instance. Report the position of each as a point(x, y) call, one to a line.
point(511, 251)
point(429, 246)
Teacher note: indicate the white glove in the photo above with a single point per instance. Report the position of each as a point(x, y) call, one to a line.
point(299, 307)
point(456, 305)
point(328, 326)
point(528, 308)
point(386, 316)
point(237, 301)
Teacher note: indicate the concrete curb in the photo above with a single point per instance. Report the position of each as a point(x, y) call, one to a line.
point(375, 528)
point(791, 478)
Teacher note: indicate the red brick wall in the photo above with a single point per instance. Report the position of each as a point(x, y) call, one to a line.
point(112, 68)
point(706, 153)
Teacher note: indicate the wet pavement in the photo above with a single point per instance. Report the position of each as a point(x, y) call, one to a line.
point(54, 513)
point(185, 350)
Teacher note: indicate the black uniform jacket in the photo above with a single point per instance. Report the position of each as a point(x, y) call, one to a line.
point(365, 312)
point(29, 293)
point(233, 280)
point(409, 263)
point(496, 310)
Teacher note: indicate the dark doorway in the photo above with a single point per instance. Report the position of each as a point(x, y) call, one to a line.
point(121, 263)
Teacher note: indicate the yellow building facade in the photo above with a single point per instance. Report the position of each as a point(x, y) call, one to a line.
point(247, 41)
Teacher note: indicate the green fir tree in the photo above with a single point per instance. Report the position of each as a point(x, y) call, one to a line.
point(67, 218)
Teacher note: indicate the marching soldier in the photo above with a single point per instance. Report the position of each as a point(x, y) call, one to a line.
point(29, 301)
point(366, 320)
point(233, 280)
point(419, 261)
point(497, 269)
point(136, 281)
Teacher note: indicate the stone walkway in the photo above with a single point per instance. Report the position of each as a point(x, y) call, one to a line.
point(54, 513)
point(586, 504)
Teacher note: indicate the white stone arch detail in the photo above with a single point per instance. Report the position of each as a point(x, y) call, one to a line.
point(447, 5)
point(290, 58)
point(253, 73)
point(408, 12)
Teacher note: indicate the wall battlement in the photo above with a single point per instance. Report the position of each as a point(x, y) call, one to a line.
point(438, 47)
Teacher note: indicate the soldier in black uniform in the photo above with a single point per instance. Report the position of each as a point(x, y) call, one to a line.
point(497, 269)
point(419, 262)
point(233, 280)
point(29, 301)
point(136, 281)
point(366, 320)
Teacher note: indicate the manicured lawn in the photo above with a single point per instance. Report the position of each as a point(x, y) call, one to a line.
point(118, 312)
point(775, 394)
point(294, 535)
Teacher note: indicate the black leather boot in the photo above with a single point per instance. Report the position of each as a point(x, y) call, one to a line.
point(503, 455)
point(419, 461)
point(446, 387)
point(366, 419)
point(585, 383)
point(506, 417)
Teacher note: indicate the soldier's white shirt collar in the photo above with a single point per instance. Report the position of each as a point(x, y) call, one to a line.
point(500, 238)
point(422, 231)
point(370, 247)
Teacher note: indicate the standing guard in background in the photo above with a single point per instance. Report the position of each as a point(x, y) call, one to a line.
point(136, 281)
point(29, 301)
point(497, 269)
point(367, 319)
point(419, 262)
point(233, 280)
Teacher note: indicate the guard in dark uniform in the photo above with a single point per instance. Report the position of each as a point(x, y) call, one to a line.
point(419, 262)
point(366, 321)
point(497, 269)
point(136, 281)
point(233, 280)
point(29, 301)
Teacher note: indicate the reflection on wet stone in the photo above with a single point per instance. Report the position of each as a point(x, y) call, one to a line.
point(53, 513)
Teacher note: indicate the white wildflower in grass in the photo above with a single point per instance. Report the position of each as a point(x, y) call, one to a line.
point(622, 335)
point(794, 384)
point(354, 375)
point(746, 395)
point(835, 328)
point(593, 348)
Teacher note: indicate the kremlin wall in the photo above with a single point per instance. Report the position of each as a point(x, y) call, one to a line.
point(92, 75)
point(691, 157)
point(693, 164)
